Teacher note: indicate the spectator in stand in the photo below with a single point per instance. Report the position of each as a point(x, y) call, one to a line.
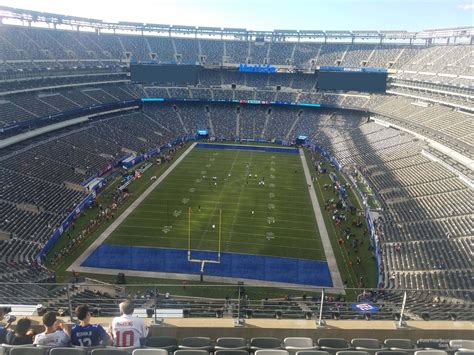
point(86, 334)
point(23, 334)
point(56, 333)
point(128, 330)
point(4, 330)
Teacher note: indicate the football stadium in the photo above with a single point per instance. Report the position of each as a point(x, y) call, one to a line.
point(200, 190)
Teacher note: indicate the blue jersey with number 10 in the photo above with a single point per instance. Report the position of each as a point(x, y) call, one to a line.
point(89, 335)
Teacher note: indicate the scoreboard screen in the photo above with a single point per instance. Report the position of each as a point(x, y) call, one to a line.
point(164, 74)
point(352, 79)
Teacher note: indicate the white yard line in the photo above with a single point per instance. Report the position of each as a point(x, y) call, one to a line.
point(218, 203)
point(250, 145)
point(77, 264)
point(231, 242)
point(330, 258)
point(146, 236)
point(136, 226)
point(231, 232)
point(299, 212)
point(296, 198)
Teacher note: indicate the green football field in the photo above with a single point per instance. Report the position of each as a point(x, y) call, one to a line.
point(275, 219)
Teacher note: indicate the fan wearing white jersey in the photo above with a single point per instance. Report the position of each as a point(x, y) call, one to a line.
point(128, 330)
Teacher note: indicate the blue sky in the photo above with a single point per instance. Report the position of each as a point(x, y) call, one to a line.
point(411, 15)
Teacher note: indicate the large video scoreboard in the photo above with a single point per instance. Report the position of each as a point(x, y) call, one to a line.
point(171, 74)
point(352, 79)
point(327, 77)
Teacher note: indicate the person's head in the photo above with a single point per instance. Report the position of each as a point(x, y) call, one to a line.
point(49, 319)
point(83, 313)
point(126, 307)
point(22, 326)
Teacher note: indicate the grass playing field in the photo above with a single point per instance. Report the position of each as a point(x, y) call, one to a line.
point(282, 222)
point(367, 268)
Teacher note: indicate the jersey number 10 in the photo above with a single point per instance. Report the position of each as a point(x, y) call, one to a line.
point(126, 338)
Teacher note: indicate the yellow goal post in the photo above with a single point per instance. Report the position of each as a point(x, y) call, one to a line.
point(204, 261)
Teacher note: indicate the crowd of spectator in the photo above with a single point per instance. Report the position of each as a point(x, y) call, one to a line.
point(125, 331)
point(104, 214)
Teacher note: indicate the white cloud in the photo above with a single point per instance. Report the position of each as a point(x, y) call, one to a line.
point(466, 7)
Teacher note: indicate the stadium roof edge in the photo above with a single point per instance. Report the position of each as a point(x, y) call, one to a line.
point(230, 29)
point(156, 25)
point(183, 27)
point(131, 23)
point(285, 31)
point(31, 16)
point(338, 32)
point(206, 28)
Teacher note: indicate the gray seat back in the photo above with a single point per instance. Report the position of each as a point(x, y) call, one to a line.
point(367, 343)
point(162, 342)
point(150, 352)
point(352, 352)
point(196, 342)
point(231, 352)
point(191, 352)
point(27, 351)
point(68, 351)
point(431, 352)
point(231, 343)
point(265, 343)
point(335, 343)
point(399, 344)
point(271, 352)
point(298, 342)
point(111, 351)
point(391, 352)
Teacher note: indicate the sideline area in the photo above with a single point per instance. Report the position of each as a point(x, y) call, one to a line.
point(323, 233)
point(76, 265)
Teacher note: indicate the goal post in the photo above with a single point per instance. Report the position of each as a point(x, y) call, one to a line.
point(204, 261)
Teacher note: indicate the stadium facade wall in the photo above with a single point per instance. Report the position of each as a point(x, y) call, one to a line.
point(335, 329)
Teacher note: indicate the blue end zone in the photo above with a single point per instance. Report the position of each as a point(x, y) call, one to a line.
point(245, 266)
point(248, 147)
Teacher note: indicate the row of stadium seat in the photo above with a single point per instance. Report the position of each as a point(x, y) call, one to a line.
point(275, 346)
point(112, 351)
point(426, 210)
point(17, 43)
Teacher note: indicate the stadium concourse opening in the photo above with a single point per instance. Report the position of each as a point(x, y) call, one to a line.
point(252, 220)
